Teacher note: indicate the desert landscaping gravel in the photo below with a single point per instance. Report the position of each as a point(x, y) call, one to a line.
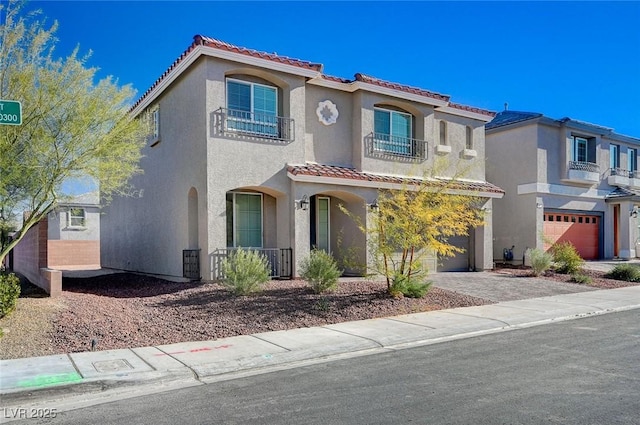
point(127, 310)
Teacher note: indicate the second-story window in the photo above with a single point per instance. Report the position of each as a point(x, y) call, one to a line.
point(252, 108)
point(581, 150)
point(614, 156)
point(632, 161)
point(392, 131)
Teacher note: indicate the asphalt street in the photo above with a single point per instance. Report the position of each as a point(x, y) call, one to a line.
point(584, 371)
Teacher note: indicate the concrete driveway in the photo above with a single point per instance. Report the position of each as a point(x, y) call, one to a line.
point(503, 287)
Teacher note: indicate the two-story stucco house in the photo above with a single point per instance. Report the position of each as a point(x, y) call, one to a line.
point(565, 180)
point(253, 149)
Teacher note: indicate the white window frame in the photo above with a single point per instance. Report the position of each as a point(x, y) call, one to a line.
point(632, 159)
point(71, 217)
point(576, 142)
point(391, 112)
point(390, 133)
point(154, 121)
point(614, 155)
point(251, 84)
point(233, 206)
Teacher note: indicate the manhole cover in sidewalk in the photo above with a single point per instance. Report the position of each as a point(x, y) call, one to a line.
point(108, 366)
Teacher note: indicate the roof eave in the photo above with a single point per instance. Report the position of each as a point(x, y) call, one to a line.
point(374, 184)
point(201, 50)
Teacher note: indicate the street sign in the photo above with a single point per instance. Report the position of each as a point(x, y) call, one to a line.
point(10, 112)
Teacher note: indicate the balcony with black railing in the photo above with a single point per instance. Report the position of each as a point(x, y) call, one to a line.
point(619, 177)
point(583, 172)
point(389, 146)
point(254, 124)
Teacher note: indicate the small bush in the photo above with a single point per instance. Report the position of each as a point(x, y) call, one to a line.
point(320, 270)
point(566, 258)
point(245, 271)
point(9, 293)
point(408, 287)
point(540, 261)
point(581, 278)
point(627, 272)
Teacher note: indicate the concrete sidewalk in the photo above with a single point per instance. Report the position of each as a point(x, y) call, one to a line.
point(54, 378)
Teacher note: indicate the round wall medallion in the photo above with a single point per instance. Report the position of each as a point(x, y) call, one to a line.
point(327, 112)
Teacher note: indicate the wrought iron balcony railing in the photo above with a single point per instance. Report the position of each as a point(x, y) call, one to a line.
point(386, 144)
point(279, 261)
point(621, 172)
point(584, 166)
point(258, 125)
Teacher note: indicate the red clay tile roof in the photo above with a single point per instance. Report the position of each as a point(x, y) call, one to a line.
point(352, 174)
point(212, 42)
point(407, 89)
point(200, 40)
point(472, 109)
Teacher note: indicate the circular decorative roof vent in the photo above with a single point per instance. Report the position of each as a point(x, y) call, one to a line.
point(327, 112)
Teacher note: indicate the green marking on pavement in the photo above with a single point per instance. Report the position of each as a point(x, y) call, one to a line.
point(46, 380)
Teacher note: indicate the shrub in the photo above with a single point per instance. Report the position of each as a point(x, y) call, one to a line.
point(566, 258)
point(627, 272)
point(245, 271)
point(408, 287)
point(580, 278)
point(320, 270)
point(540, 261)
point(9, 293)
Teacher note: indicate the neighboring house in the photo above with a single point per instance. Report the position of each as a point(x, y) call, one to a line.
point(253, 149)
point(67, 239)
point(565, 180)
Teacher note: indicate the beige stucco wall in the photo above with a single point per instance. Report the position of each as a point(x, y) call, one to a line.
point(148, 233)
point(60, 230)
point(329, 144)
point(518, 218)
point(511, 161)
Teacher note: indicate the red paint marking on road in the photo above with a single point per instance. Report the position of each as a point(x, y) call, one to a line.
point(197, 350)
point(223, 346)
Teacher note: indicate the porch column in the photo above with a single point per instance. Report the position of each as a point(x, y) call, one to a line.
point(483, 240)
point(627, 231)
point(301, 242)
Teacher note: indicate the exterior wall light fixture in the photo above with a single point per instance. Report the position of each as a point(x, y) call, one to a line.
point(634, 212)
point(304, 203)
point(374, 205)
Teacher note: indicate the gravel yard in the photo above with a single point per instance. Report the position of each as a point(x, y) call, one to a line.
point(128, 310)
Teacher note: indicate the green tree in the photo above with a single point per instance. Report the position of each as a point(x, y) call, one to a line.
point(72, 127)
point(417, 220)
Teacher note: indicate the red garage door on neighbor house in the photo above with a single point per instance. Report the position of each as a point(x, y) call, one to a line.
point(581, 230)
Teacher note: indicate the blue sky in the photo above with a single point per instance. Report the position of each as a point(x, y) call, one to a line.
point(576, 59)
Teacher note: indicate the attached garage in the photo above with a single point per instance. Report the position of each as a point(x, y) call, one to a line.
point(460, 262)
point(582, 230)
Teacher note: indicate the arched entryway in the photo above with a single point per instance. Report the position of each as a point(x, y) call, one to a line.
point(336, 232)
